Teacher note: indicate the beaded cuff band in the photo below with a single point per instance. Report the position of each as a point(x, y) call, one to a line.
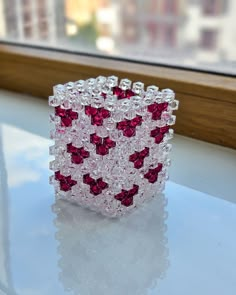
point(111, 142)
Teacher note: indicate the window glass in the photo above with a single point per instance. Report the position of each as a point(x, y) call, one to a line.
point(198, 34)
point(212, 7)
point(208, 39)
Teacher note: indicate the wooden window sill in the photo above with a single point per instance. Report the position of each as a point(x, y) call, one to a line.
point(207, 102)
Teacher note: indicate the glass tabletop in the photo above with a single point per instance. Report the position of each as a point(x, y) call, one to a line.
point(182, 242)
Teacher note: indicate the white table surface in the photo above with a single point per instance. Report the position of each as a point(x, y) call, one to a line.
point(181, 243)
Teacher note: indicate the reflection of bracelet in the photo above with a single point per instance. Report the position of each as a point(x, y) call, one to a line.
point(111, 142)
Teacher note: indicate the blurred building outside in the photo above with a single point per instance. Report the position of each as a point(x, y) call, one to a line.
point(32, 20)
point(169, 31)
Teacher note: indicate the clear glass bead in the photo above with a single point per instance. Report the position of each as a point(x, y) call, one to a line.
point(112, 81)
point(101, 131)
point(79, 85)
point(152, 89)
point(174, 105)
point(148, 99)
point(52, 179)
point(168, 162)
point(168, 95)
point(77, 142)
point(53, 165)
point(96, 92)
point(124, 105)
point(90, 83)
point(85, 98)
point(167, 148)
point(85, 138)
point(69, 86)
point(117, 116)
point(110, 103)
point(170, 134)
point(159, 98)
point(54, 101)
point(141, 111)
point(84, 122)
point(136, 102)
point(94, 173)
point(65, 170)
point(125, 84)
point(171, 120)
point(100, 80)
point(130, 114)
point(61, 130)
point(59, 91)
point(138, 87)
point(165, 116)
point(109, 124)
point(67, 137)
point(52, 150)
point(66, 103)
point(77, 107)
point(127, 185)
point(52, 134)
point(147, 117)
point(59, 147)
point(106, 89)
point(116, 187)
point(97, 102)
point(89, 147)
point(54, 119)
point(115, 134)
point(161, 123)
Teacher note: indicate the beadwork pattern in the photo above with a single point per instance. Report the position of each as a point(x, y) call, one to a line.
point(111, 142)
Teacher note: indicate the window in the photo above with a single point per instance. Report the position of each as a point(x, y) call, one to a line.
point(150, 41)
point(151, 6)
point(208, 39)
point(169, 33)
point(212, 7)
point(153, 32)
point(42, 19)
point(27, 19)
point(170, 6)
point(158, 31)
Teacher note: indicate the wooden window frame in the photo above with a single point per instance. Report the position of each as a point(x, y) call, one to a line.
point(207, 101)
